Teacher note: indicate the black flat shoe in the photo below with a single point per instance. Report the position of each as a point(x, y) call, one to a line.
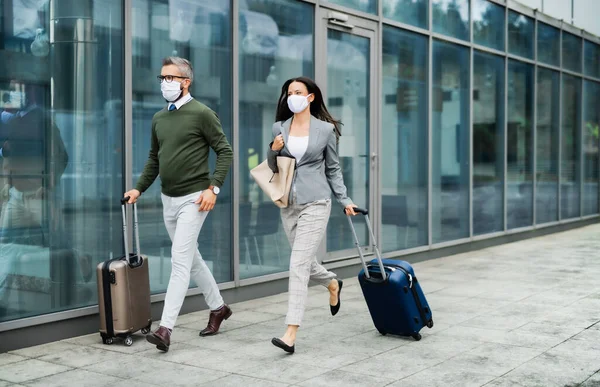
point(281, 344)
point(336, 308)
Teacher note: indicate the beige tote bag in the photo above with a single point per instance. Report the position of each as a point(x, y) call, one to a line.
point(276, 185)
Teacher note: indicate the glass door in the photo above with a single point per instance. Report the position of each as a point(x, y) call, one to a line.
point(347, 73)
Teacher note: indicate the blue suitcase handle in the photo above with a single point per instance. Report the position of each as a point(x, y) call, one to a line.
point(365, 212)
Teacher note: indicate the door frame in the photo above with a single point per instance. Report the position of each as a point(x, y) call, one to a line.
point(326, 19)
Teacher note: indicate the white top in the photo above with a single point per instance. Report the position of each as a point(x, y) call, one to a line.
point(297, 146)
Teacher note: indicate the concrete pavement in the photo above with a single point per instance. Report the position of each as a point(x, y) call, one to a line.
point(521, 314)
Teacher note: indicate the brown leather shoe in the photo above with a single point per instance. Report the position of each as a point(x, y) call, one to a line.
point(215, 320)
point(161, 338)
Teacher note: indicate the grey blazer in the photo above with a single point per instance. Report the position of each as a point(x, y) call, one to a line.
point(318, 173)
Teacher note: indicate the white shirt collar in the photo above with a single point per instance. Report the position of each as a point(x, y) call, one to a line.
point(181, 101)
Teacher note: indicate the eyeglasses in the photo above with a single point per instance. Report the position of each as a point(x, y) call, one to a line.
point(168, 78)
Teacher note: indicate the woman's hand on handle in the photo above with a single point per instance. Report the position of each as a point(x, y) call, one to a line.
point(349, 210)
point(277, 143)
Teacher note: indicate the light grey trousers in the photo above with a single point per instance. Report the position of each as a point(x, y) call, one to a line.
point(183, 223)
point(305, 225)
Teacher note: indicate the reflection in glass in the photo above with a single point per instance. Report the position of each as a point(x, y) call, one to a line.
point(519, 155)
point(198, 31)
point(571, 51)
point(488, 143)
point(61, 168)
point(591, 127)
point(276, 44)
point(488, 24)
point(450, 143)
point(348, 99)
point(548, 130)
point(369, 6)
point(404, 145)
point(520, 34)
point(592, 59)
point(412, 12)
point(570, 163)
point(548, 44)
point(451, 17)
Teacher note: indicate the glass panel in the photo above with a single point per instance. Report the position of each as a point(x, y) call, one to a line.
point(451, 17)
point(590, 146)
point(348, 99)
point(548, 130)
point(450, 142)
point(369, 6)
point(570, 176)
point(488, 24)
point(592, 59)
point(571, 51)
point(548, 44)
point(203, 37)
point(520, 34)
point(405, 146)
point(488, 143)
point(61, 171)
point(276, 43)
point(519, 168)
point(412, 12)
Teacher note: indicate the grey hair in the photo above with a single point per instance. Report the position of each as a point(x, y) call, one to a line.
point(184, 66)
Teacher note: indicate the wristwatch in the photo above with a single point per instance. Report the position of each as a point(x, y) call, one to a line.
point(215, 189)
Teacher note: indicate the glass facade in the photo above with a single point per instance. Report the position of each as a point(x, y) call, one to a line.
point(450, 142)
point(519, 145)
point(488, 143)
point(276, 43)
point(486, 130)
point(547, 153)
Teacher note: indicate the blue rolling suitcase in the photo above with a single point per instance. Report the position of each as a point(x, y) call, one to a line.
point(393, 294)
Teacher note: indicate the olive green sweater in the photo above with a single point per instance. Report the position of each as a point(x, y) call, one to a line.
point(179, 150)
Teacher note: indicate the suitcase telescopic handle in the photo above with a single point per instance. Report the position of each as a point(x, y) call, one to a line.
point(365, 212)
point(136, 231)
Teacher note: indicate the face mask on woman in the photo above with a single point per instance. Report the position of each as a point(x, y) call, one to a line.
point(171, 90)
point(297, 103)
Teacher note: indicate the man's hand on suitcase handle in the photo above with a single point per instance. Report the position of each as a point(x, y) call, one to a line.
point(130, 196)
point(352, 210)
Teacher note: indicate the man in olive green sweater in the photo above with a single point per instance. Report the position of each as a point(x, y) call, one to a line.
point(182, 134)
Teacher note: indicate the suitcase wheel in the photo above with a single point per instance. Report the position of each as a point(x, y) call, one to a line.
point(107, 340)
point(430, 324)
point(416, 336)
point(128, 341)
point(382, 332)
point(145, 330)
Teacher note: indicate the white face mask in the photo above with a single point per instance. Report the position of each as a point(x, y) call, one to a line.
point(297, 103)
point(171, 90)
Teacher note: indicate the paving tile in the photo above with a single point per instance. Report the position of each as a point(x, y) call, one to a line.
point(551, 370)
point(80, 356)
point(128, 366)
point(445, 375)
point(493, 359)
point(246, 381)
point(45, 349)
point(8, 358)
point(75, 378)
point(284, 371)
point(592, 381)
point(230, 361)
point(180, 375)
point(345, 379)
point(29, 370)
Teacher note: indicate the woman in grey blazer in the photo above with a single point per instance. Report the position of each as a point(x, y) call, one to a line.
point(306, 131)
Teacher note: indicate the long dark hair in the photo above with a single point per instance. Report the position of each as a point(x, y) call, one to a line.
point(317, 106)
